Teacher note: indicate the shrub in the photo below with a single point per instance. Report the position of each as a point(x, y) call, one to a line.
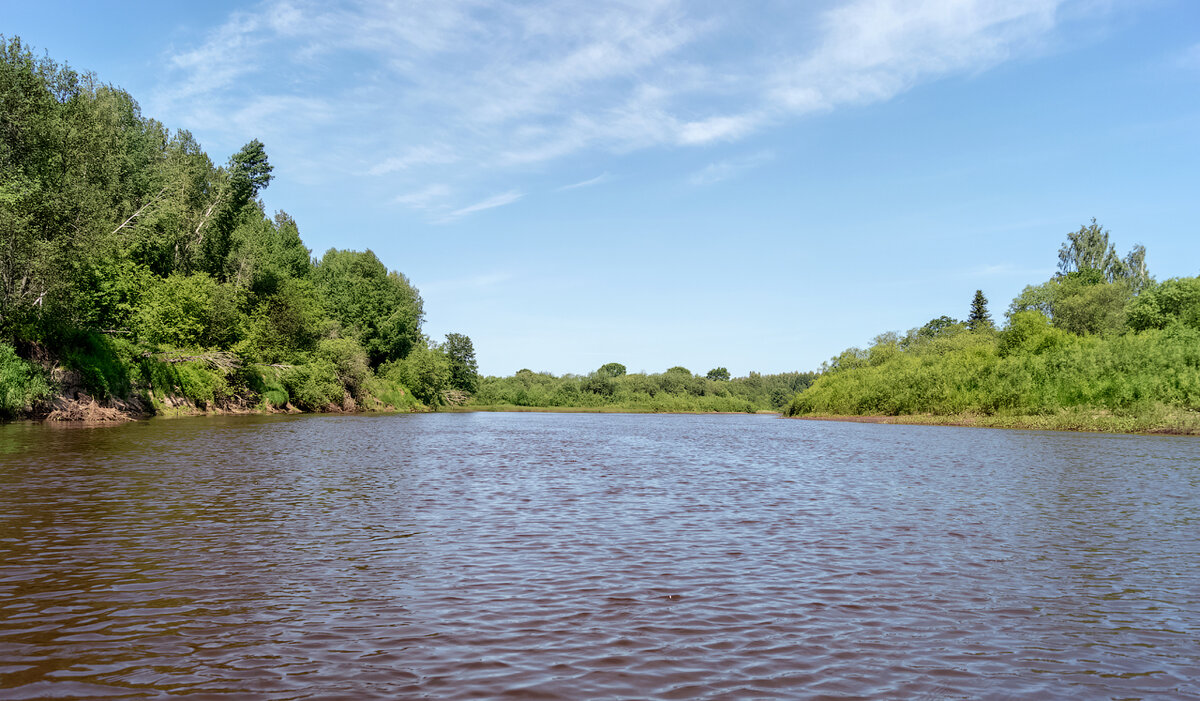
point(424, 371)
point(22, 384)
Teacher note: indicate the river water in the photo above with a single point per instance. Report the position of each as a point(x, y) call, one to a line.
point(580, 556)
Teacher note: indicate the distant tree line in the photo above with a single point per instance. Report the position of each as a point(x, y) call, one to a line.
point(677, 389)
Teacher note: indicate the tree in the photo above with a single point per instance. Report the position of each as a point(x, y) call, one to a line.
point(611, 370)
point(249, 172)
point(464, 371)
point(1089, 249)
point(720, 374)
point(425, 371)
point(940, 326)
point(1083, 306)
point(979, 318)
point(1173, 301)
point(378, 307)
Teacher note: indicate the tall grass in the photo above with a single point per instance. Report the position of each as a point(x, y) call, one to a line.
point(1039, 373)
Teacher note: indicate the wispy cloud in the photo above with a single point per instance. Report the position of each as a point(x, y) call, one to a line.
point(427, 198)
point(602, 178)
point(419, 156)
point(729, 168)
point(504, 198)
point(511, 86)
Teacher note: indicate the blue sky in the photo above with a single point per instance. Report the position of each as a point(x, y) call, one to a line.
point(756, 185)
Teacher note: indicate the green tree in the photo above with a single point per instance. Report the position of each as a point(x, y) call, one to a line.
point(719, 374)
point(188, 311)
point(941, 326)
point(425, 371)
point(247, 172)
point(1173, 301)
point(380, 308)
point(286, 324)
point(979, 318)
point(1089, 249)
point(464, 371)
point(611, 370)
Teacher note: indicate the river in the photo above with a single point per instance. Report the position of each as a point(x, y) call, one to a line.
point(581, 556)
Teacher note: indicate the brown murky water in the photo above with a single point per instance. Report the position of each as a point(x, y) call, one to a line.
point(595, 556)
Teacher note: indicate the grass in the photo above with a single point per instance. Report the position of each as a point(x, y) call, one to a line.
point(1160, 419)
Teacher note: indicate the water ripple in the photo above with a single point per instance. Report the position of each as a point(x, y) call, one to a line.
point(594, 556)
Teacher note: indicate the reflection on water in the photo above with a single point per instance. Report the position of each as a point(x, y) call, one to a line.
point(595, 556)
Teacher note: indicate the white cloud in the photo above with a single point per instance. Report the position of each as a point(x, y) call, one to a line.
point(729, 168)
point(427, 198)
point(419, 156)
point(465, 90)
point(602, 178)
point(872, 50)
point(717, 129)
point(504, 198)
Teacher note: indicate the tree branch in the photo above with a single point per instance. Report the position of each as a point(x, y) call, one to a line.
point(140, 209)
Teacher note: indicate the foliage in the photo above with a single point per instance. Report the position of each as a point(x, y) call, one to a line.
point(1099, 340)
point(1174, 301)
point(380, 308)
point(1089, 250)
point(22, 384)
point(425, 371)
point(1030, 369)
point(349, 362)
point(979, 318)
point(464, 371)
point(121, 241)
point(313, 386)
point(721, 374)
point(674, 390)
point(941, 326)
point(187, 311)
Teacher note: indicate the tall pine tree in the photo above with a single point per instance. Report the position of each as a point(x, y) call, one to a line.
point(980, 318)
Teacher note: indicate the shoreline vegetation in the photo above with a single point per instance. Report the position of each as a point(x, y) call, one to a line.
point(1171, 423)
point(139, 279)
point(1100, 346)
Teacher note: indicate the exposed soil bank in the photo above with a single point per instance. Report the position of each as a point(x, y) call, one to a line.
point(78, 406)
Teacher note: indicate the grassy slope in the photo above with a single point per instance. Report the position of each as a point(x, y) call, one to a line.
point(1045, 379)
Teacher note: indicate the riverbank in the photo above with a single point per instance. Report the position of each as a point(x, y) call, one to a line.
point(1163, 421)
point(75, 405)
point(611, 409)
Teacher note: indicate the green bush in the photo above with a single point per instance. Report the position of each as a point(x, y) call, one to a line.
point(22, 384)
point(349, 360)
point(425, 371)
point(185, 311)
point(1029, 369)
point(313, 386)
point(103, 363)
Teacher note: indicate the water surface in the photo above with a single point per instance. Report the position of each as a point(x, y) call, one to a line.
point(595, 556)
